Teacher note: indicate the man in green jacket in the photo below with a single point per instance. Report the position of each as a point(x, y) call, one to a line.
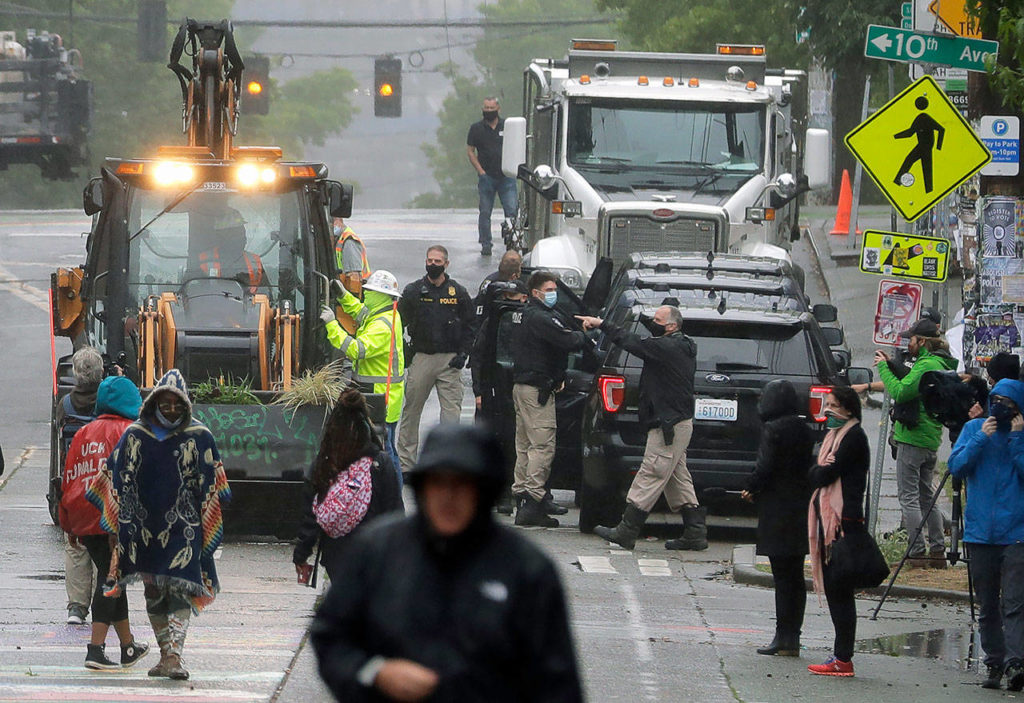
point(376, 349)
point(917, 442)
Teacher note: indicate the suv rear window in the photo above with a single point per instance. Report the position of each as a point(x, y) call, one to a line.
point(738, 346)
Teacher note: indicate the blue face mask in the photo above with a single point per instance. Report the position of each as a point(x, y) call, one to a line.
point(550, 298)
point(337, 231)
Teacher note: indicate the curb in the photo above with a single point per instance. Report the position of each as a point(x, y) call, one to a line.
point(743, 571)
point(817, 263)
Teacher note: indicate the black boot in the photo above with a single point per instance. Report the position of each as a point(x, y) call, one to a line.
point(551, 507)
point(695, 530)
point(530, 513)
point(994, 677)
point(506, 503)
point(625, 533)
point(783, 644)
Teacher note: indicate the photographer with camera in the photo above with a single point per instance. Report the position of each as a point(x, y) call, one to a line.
point(990, 455)
point(917, 436)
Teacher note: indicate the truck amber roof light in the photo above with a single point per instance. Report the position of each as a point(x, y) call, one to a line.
point(667, 81)
point(593, 44)
point(301, 172)
point(642, 80)
point(751, 85)
point(741, 49)
point(129, 169)
point(256, 153)
point(584, 79)
point(694, 82)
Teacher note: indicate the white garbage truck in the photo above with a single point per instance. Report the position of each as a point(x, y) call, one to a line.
point(635, 151)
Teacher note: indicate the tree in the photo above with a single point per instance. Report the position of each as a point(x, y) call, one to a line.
point(137, 106)
point(501, 55)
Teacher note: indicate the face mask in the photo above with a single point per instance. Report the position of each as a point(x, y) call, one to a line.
point(434, 270)
point(656, 329)
point(1003, 415)
point(337, 231)
point(550, 298)
point(835, 420)
point(490, 115)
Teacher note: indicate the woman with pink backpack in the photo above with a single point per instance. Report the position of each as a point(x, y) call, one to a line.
point(352, 481)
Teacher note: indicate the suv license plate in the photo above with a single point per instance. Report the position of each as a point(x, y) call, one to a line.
point(716, 409)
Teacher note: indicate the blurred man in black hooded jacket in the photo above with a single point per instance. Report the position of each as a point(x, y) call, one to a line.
point(447, 605)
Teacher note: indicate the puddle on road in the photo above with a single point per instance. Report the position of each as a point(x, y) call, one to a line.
point(958, 647)
point(52, 576)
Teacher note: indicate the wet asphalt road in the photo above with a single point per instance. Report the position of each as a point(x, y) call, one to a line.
point(650, 625)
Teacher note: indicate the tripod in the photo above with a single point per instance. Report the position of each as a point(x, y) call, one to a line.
point(956, 533)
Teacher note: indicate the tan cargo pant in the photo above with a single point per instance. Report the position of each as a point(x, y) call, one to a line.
point(427, 371)
point(78, 573)
point(535, 441)
point(663, 470)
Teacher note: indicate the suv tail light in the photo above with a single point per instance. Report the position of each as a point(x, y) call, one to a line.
point(817, 402)
point(613, 392)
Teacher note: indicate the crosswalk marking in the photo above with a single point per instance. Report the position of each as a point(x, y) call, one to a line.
point(654, 567)
point(597, 565)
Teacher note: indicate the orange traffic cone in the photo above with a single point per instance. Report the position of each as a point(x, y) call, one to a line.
point(842, 225)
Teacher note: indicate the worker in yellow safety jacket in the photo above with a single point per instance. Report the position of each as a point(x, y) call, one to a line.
point(378, 361)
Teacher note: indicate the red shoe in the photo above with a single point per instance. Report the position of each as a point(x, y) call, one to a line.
point(832, 667)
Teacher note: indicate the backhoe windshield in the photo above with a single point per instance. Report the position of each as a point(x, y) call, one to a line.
point(683, 137)
point(254, 238)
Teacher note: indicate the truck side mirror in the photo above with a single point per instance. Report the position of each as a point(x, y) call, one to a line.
point(816, 158)
point(823, 312)
point(339, 199)
point(92, 196)
point(513, 146)
point(833, 336)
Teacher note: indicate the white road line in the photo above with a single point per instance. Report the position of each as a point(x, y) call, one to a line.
point(95, 692)
point(654, 567)
point(29, 293)
point(597, 565)
point(644, 654)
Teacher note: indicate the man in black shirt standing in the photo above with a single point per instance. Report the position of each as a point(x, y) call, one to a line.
point(666, 410)
point(438, 315)
point(483, 147)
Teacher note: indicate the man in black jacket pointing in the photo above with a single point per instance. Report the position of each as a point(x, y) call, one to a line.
point(666, 410)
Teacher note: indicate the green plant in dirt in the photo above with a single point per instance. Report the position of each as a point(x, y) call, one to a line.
point(893, 545)
point(218, 391)
point(321, 387)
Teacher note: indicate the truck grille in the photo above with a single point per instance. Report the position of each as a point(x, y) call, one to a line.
point(633, 233)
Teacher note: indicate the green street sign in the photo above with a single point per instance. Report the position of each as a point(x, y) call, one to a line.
point(893, 44)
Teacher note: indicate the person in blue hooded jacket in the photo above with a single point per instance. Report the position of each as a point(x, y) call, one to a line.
point(989, 454)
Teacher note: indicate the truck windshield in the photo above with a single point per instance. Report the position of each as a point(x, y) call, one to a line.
point(684, 137)
point(254, 238)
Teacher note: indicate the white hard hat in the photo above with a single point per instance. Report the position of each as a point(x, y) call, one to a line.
point(383, 282)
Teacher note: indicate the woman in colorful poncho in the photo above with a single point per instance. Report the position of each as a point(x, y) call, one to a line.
point(167, 486)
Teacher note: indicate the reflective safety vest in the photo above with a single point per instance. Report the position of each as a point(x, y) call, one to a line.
point(369, 349)
point(210, 264)
point(347, 234)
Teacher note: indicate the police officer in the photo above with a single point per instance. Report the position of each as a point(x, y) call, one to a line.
point(492, 406)
point(376, 349)
point(438, 313)
point(666, 410)
point(540, 356)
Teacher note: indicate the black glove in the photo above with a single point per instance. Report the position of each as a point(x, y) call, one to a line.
point(458, 361)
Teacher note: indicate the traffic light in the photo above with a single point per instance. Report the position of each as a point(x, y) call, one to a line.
point(387, 87)
point(256, 85)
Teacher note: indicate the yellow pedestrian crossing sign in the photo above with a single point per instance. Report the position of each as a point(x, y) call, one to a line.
point(917, 148)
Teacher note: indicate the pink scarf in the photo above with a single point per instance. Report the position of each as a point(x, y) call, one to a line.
point(829, 500)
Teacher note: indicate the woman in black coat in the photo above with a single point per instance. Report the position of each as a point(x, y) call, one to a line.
point(348, 437)
point(778, 485)
point(840, 473)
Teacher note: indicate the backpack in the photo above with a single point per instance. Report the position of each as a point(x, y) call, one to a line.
point(69, 426)
point(347, 499)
